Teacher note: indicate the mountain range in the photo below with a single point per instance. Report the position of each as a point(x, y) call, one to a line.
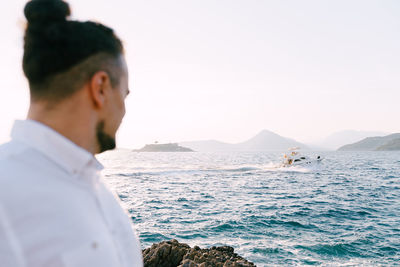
point(263, 141)
point(341, 138)
point(377, 143)
point(270, 141)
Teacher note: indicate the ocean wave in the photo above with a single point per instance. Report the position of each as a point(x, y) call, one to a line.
point(268, 251)
point(228, 226)
point(346, 214)
point(153, 237)
point(294, 224)
point(337, 250)
point(190, 235)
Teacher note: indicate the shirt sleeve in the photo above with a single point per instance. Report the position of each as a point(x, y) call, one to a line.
point(10, 250)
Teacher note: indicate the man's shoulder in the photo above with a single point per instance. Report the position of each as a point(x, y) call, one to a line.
point(11, 148)
point(11, 158)
point(16, 159)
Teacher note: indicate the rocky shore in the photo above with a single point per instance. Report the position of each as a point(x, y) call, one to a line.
point(174, 254)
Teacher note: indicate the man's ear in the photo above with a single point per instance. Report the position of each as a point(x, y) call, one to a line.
point(98, 85)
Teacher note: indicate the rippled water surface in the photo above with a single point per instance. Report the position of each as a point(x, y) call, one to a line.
point(345, 212)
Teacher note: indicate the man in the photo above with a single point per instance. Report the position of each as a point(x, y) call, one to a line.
point(54, 208)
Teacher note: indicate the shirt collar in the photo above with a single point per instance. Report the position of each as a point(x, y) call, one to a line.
point(56, 147)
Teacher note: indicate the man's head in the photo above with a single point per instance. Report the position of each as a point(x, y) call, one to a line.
point(63, 57)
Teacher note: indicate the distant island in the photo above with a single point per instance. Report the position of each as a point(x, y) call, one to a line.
point(341, 138)
point(378, 143)
point(390, 146)
point(170, 147)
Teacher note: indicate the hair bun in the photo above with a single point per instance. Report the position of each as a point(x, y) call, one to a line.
point(46, 11)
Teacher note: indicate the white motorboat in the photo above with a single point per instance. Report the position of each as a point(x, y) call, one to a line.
point(294, 158)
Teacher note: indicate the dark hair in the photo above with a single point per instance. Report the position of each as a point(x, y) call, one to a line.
point(56, 48)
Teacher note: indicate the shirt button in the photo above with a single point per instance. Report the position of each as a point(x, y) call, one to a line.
point(94, 245)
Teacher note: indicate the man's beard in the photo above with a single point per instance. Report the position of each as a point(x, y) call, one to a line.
point(105, 141)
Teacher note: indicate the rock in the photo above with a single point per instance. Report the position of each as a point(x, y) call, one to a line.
point(174, 254)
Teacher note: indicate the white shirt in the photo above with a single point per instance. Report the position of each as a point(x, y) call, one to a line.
point(54, 208)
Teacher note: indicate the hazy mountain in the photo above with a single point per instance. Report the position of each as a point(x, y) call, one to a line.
point(339, 139)
point(263, 141)
point(267, 140)
point(391, 145)
point(371, 143)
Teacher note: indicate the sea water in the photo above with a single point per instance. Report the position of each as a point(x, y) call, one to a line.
point(345, 212)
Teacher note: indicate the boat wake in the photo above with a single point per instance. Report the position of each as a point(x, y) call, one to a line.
point(278, 167)
point(200, 170)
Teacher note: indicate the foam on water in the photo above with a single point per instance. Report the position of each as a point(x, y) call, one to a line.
point(304, 169)
point(344, 212)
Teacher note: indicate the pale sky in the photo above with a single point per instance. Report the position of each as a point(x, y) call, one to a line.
point(226, 69)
